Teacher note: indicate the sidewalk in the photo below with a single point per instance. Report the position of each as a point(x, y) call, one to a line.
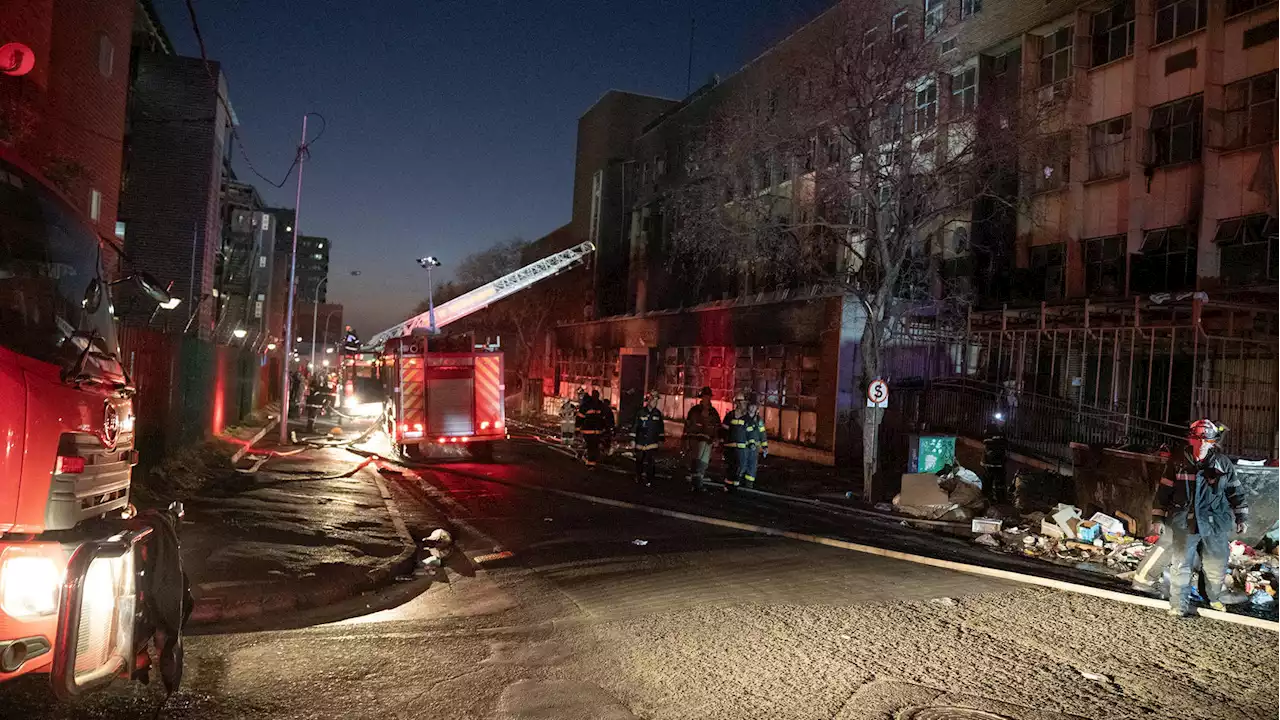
point(284, 528)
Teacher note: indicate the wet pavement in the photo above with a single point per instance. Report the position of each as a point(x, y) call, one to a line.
point(556, 607)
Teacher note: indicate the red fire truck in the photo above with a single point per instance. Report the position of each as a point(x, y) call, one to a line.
point(446, 390)
point(443, 391)
point(84, 587)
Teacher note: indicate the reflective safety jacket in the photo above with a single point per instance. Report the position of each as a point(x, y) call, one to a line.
point(1201, 497)
point(702, 423)
point(733, 431)
point(648, 428)
point(591, 416)
point(756, 437)
point(568, 417)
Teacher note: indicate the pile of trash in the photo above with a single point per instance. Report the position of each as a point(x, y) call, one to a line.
point(954, 493)
point(1102, 543)
point(1253, 573)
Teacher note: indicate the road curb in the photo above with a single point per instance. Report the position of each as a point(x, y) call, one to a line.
point(235, 458)
point(283, 597)
point(882, 552)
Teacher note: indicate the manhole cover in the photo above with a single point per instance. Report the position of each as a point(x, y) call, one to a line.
point(952, 713)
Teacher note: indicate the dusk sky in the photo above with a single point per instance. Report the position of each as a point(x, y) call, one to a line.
point(451, 123)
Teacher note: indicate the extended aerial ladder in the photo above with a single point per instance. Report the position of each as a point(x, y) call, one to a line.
point(441, 390)
point(486, 295)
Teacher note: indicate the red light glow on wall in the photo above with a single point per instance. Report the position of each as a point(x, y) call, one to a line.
point(16, 59)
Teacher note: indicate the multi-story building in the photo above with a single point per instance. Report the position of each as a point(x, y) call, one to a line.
point(67, 115)
point(1136, 280)
point(177, 154)
point(313, 268)
point(245, 267)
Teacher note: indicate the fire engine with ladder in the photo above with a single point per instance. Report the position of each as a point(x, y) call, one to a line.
point(446, 390)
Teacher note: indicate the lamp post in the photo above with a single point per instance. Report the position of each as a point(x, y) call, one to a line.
point(427, 263)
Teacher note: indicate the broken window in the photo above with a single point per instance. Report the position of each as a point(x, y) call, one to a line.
point(1052, 164)
point(1113, 33)
point(1174, 136)
point(1104, 265)
point(1250, 117)
point(1049, 265)
point(1166, 263)
point(1109, 148)
point(1247, 251)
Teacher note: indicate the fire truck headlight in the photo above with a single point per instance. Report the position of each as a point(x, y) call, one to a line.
point(29, 586)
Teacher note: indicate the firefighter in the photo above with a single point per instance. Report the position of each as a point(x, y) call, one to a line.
point(1199, 502)
point(733, 439)
point(649, 432)
point(591, 425)
point(757, 442)
point(609, 426)
point(701, 426)
point(568, 421)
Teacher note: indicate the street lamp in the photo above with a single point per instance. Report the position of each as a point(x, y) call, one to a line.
point(427, 263)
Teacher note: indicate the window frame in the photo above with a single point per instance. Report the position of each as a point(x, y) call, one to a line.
point(1240, 7)
point(1254, 233)
point(1055, 147)
point(1247, 111)
point(968, 94)
point(1097, 268)
point(1108, 147)
point(1059, 268)
point(969, 8)
point(1164, 135)
point(1050, 59)
point(1104, 37)
point(899, 26)
point(924, 117)
point(1175, 10)
point(1155, 245)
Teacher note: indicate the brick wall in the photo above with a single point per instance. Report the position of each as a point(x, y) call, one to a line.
point(174, 176)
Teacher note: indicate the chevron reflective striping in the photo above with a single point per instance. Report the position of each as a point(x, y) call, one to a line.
point(488, 387)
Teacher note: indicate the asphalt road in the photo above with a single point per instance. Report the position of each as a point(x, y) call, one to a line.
point(606, 612)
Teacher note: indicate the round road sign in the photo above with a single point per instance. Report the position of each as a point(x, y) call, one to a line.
point(878, 392)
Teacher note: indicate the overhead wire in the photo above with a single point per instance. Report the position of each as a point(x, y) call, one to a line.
point(302, 150)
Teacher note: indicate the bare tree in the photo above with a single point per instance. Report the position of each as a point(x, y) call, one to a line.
point(854, 159)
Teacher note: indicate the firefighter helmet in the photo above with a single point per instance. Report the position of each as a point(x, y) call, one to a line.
point(740, 397)
point(651, 395)
point(705, 392)
point(1207, 430)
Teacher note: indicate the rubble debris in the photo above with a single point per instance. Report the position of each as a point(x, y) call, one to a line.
point(639, 543)
point(1096, 677)
point(986, 525)
point(1088, 531)
point(1262, 598)
point(1109, 525)
point(943, 601)
point(1066, 517)
point(1130, 525)
point(1050, 530)
point(987, 540)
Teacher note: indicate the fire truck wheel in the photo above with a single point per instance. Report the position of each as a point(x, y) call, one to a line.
point(482, 452)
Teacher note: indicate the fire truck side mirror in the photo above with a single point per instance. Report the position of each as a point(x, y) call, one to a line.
point(152, 288)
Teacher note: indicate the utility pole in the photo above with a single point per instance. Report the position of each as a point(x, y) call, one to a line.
point(293, 279)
